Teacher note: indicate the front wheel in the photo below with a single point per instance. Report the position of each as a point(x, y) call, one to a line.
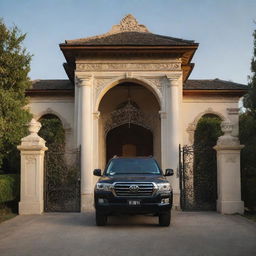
point(101, 219)
point(165, 219)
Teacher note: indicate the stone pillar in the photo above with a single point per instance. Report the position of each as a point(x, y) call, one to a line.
point(32, 150)
point(86, 139)
point(171, 129)
point(228, 172)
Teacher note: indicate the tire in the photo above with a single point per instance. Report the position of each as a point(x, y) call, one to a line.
point(165, 219)
point(101, 219)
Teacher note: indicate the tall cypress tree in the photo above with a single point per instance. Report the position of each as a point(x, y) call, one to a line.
point(14, 80)
point(250, 98)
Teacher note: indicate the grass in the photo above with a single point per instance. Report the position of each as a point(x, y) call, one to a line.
point(6, 213)
point(7, 217)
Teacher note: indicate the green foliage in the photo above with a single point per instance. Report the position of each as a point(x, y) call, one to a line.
point(58, 172)
point(247, 124)
point(9, 187)
point(205, 164)
point(250, 98)
point(14, 68)
point(53, 133)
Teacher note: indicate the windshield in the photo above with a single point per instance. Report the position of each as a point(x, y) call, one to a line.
point(132, 166)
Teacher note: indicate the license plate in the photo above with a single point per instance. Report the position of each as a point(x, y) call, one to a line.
point(133, 202)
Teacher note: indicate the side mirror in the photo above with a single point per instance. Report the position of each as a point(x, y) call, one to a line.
point(97, 172)
point(168, 172)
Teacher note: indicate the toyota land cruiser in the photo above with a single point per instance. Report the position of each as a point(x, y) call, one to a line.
point(133, 186)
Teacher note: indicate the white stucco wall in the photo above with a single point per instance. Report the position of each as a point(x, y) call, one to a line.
point(62, 107)
point(194, 107)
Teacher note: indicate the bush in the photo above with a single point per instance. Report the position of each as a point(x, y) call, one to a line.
point(9, 187)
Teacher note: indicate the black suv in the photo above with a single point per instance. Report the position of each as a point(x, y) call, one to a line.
point(133, 186)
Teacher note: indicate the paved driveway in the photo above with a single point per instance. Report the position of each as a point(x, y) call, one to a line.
point(191, 233)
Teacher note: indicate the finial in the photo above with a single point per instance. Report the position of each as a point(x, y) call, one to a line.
point(226, 127)
point(128, 24)
point(34, 127)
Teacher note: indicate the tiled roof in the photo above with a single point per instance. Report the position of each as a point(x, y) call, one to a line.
point(127, 33)
point(213, 84)
point(51, 85)
point(131, 39)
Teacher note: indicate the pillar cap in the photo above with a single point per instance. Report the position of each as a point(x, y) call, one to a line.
point(33, 142)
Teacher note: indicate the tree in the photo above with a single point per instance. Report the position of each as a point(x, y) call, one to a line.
point(14, 80)
point(250, 98)
point(247, 135)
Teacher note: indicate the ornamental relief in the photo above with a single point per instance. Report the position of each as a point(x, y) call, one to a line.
point(128, 67)
point(30, 160)
point(99, 84)
point(156, 83)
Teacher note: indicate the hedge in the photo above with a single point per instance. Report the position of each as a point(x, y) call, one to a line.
point(205, 163)
point(9, 187)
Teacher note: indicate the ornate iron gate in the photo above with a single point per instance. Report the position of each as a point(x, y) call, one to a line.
point(62, 181)
point(190, 186)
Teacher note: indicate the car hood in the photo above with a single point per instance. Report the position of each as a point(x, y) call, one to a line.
point(133, 178)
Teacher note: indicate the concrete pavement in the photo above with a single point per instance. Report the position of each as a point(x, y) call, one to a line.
point(190, 234)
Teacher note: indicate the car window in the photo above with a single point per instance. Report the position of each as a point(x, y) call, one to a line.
point(132, 166)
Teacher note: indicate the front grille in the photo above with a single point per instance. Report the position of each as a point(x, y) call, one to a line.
point(134, 189)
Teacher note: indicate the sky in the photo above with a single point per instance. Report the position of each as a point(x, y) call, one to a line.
point(223, 29)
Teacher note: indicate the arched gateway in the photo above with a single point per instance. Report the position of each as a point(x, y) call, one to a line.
point(128, 93)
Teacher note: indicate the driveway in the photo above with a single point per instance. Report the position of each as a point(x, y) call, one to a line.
point(191, 233)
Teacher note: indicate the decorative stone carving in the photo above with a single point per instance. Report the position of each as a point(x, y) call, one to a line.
point(128, 114)
point(173, 79)
point(34, 127)
point(99, 84)
point(128, 24)
point(33, 139)
point(159, 83)
point(30, 159)
point(84, 80)
point(227, 138)
point(233, 111)
point(128, 66)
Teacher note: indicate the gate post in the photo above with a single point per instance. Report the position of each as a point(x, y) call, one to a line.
point(228, 172)
point(32, 150)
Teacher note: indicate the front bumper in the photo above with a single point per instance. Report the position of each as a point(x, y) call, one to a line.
point(111, 205)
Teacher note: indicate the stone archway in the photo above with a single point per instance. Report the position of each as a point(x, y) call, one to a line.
point(129, 119)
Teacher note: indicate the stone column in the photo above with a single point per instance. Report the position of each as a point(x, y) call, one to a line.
point(32, 150)
point(86, 139)
point(171, 130)
point(228, 172)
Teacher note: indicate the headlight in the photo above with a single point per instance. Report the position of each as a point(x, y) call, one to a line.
point(104, 186)
point(164, 187)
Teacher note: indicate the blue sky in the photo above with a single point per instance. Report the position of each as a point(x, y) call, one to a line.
point(222, 27)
